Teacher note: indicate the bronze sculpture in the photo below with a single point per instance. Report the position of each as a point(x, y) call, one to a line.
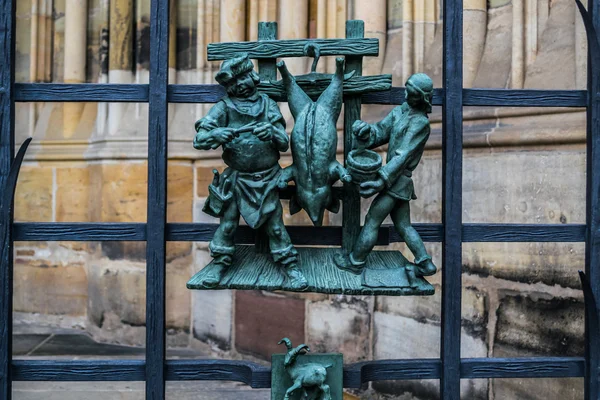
point(309, 378)
point(251, 130)
point(249, 127)
point(314, 145)
point(406, 130)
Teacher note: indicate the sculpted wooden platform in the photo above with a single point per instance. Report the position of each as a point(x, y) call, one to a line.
point(256, 271)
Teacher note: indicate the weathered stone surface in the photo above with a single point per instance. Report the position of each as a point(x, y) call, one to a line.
point(397, 337)
point(50, 287)
point(178, 300)
point(550, 188)
point(340, 325)
point(33, 197)
point(180, 183)
point(212, 311)
point(118, 288)
point(122, 195)
point(427, 309)
point(554, 66)
point(495, 66)
point(541, 324)
point(72, 193)
point(418, 340)
point(262, 319)
point(549, 263)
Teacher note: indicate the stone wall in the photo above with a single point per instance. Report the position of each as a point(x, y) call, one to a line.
point(520, 166)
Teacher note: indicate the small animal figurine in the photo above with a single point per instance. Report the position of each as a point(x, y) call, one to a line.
point(309, 377)
point(314, 145)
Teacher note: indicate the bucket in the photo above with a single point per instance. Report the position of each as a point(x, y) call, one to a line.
point(363, 165)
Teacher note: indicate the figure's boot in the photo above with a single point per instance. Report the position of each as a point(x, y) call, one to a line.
point(425, 267)
point(222, 259)
point(346, 262)
point(288, 259)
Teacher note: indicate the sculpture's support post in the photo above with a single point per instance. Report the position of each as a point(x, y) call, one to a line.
point(352, 106)
point(266, 71)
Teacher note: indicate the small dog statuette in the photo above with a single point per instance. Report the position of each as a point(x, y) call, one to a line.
point(309, 377)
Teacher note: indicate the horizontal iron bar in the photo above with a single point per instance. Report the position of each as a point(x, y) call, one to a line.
point(79, 370)
point(294, 48)
point(211, 93)
point(523, 233)
point(301, 235)
point(524, 98)
point(541, 367)
point(81, 92)
point(258, 376)
point(252, 374)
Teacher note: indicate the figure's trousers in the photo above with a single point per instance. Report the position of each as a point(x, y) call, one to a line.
point(222, 246)
point(399, 210)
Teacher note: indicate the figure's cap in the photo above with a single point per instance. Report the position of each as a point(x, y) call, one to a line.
point(422, 82)
point(234, 67)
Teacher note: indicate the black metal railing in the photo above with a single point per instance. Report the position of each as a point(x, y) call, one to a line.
point(450, 368)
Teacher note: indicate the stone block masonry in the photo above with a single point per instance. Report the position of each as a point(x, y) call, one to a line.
point(88, 164)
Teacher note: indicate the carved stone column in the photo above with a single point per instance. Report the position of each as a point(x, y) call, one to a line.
point(293, 24)
point(233, 20)
point(475, 28)
point(120, 64)
point(374, 13)
point(75, 59)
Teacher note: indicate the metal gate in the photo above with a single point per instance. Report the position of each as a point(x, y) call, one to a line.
point(450, 368)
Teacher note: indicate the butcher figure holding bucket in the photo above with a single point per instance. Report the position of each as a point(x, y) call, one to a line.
point(406, 129)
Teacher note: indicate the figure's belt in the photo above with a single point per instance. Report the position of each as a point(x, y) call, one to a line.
point(256, 176)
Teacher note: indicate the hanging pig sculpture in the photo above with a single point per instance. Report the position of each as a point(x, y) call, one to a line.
point(314, 144)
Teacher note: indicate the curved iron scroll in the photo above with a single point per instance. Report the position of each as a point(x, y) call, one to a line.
point(8, 196)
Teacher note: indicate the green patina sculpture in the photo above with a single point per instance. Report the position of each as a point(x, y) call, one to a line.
point(247, 124)
point(314, 144)
point(251, 130)
point(405, 130)
point(317, 377)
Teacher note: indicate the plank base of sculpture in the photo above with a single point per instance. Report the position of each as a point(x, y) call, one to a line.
point(297, 375)
point(386, 273)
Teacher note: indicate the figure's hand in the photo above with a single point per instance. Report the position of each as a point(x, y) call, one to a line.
point(222, 135)
point(361, 130)
point(264, 131)
point(369, 188)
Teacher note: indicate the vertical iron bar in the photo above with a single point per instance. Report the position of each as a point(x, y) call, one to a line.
point(352, 106)
point(7, 146)
point(452, 120)
point(592, 250)
point(157, 200)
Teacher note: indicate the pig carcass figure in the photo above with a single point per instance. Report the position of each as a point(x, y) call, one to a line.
point(314, 145)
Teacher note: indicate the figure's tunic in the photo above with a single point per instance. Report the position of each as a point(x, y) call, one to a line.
point(406, 131)
point(253, 163)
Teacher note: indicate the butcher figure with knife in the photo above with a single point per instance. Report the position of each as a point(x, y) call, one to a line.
point(250, 129)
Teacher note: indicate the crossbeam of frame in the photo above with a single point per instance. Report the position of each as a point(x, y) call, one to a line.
point(155, 370)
